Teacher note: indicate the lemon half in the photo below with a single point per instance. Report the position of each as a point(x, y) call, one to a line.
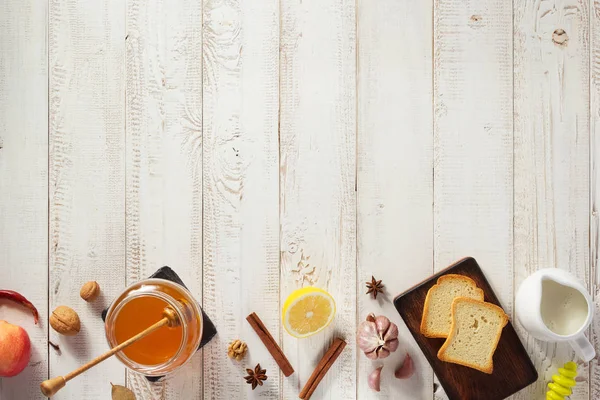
point(307, 311)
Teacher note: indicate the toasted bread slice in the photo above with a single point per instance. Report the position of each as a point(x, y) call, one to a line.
point(437, 311)
point(476, 330)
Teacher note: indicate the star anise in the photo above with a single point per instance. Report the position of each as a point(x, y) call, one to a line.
point(256, 377)
point(375, 287)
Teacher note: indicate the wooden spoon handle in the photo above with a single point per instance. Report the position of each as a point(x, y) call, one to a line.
point(51, 386)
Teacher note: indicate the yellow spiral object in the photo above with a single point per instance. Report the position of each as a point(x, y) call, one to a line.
point(561, 384)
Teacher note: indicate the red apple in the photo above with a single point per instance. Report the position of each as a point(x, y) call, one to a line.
point(15, 349)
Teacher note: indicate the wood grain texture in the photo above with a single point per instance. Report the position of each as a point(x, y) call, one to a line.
point(87, 170)
point(473, 138)
point(551, 158)
point(594, 35)
point(24, 180)
point(163, 149)
point(241, 219)
point(395, 183)
point(317, 179)
point(164, 159)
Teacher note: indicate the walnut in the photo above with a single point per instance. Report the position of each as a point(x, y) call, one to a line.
point(65, 321)
point(89, 291)
point(237, 350)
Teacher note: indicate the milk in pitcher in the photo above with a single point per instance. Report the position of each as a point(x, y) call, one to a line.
point(564, 309)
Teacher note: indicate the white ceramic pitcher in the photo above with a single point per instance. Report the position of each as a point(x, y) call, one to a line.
point(552, 305)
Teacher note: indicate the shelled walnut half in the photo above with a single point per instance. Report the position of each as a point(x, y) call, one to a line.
point(237, 350)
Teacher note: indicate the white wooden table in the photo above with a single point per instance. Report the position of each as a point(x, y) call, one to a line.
point(256, 146)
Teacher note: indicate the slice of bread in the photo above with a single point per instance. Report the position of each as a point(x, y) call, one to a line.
point(476, 330)
point(437, 311)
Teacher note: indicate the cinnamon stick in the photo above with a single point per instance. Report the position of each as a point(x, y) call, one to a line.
point(322, 367)
point(270, 343)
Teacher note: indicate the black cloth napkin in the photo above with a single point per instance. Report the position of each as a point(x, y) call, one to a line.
point(208, 328)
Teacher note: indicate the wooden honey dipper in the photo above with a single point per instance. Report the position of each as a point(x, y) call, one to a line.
point(51, 386)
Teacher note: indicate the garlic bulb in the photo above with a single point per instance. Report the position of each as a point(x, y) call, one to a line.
point(377, 337)
point(374, 379)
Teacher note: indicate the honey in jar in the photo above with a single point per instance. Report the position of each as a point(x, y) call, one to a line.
point(140, 306)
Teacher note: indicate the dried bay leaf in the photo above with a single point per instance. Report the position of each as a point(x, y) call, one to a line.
point(119, 392)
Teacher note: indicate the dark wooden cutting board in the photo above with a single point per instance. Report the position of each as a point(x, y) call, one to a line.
point(513, 369)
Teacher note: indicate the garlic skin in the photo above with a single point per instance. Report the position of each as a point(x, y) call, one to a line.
point(406, 369)
point(377, 337)
point(374, 379)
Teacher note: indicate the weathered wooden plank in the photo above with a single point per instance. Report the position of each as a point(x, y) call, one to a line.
point(594, 36)
point(551, 123)
point(240, 180)
point(24, 180)
point(473, 138)
point(395, 183)
point(164, 159)
point(317, 179)
point(473, 141)
point(87, 186)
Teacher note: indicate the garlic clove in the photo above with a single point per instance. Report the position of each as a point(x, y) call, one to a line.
point(374, 379)
point(382, 323)
point(367, 328)
point(367, 338)
point(407, 369)
point(371, 317)
point(391, 333)
point(392, 345)
point(368, 346)
point(382, 352)
point(373, 355)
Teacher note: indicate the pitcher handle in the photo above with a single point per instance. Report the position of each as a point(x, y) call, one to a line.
point(583, 348)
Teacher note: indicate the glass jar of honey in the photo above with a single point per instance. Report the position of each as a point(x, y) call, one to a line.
point(140, 306)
